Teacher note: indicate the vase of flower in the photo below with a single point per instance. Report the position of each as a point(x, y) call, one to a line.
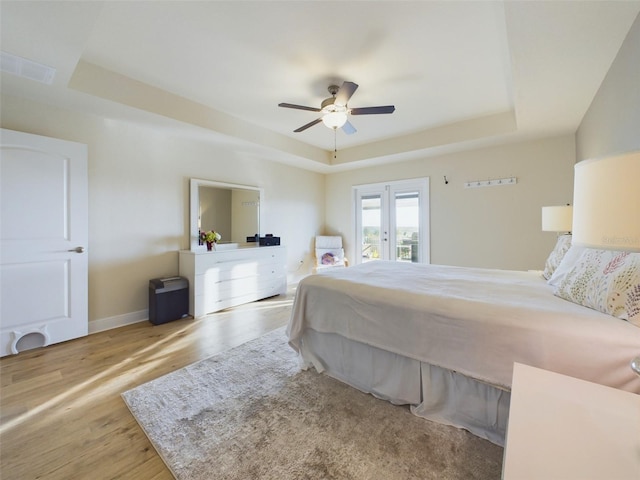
point(210, 238)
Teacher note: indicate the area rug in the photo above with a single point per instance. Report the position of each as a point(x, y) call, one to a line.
point(251, 413)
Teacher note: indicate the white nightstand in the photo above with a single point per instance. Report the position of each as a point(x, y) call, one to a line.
point(562, 428)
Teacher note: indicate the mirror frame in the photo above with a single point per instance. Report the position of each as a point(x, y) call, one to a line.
point(194, 206)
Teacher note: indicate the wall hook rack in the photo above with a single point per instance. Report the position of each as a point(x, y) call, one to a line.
point(492, 182)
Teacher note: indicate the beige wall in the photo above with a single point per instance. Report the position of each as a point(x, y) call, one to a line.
point(215, 211)
point(245, 211)
point(494, 227)
point(612, 123)
point(139, 199)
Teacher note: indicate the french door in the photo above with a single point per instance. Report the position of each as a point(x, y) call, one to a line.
point(392, 221)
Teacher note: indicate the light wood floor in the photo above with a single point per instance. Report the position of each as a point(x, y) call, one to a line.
point(61, 414)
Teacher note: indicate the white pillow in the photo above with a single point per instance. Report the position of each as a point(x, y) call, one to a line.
point(568, 261)
point(607, 281)
point(557, 254)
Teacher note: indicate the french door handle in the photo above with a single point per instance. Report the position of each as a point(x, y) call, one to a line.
point(77, 250)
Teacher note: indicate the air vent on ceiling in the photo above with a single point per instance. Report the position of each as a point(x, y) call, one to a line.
point(26, 68)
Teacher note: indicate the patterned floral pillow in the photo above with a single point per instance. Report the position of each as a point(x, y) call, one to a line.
point(556, 255)
point(567, 263)
point(607, 281)
point(329, 256)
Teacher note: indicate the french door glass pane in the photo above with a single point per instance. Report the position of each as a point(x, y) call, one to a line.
point(407, 226)
point(371, 215)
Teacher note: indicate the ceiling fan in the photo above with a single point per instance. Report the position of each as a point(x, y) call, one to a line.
point(335, 110)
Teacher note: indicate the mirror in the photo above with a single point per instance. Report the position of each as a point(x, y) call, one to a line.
point(231, 210)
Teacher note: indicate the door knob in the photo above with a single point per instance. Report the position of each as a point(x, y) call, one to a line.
point(77, 250)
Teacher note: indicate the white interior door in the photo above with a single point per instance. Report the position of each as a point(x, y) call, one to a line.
point(43, 235)
point(392, 221)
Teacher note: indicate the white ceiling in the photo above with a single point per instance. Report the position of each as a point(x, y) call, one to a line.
point(460, 74)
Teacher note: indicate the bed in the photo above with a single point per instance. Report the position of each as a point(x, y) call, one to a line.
point(444, 339)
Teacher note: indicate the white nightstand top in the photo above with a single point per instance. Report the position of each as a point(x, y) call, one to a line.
point(563, 428)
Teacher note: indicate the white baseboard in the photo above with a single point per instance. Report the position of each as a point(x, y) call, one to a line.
point(108, 323)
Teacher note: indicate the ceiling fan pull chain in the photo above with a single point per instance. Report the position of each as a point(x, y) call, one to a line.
point(335, 143)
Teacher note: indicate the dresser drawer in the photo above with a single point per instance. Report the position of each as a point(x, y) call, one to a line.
point(231, 258)
point(237, 292)
point(222, 281)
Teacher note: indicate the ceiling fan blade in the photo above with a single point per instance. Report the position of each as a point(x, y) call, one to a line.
point(310, 124)
point(344, 94)
point(373, 110)
point(348, 128)
point(298, 107)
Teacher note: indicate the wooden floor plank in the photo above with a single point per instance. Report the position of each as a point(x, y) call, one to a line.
point(61, 411)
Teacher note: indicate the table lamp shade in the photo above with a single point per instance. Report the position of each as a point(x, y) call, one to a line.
point(606, 203)
point(557, 219)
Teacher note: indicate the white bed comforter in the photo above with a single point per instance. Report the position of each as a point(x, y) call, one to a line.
point(474, 321)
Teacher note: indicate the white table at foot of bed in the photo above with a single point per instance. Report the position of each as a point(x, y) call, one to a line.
point(564, 428)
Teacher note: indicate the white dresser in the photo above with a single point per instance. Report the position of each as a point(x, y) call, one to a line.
point(226, 278)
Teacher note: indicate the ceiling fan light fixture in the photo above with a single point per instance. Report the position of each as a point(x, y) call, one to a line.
point(335, 119)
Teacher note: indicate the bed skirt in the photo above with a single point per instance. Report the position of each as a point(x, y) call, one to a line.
point(432, 392)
